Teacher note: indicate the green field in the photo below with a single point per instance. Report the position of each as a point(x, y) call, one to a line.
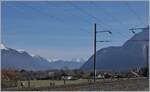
point(46, 83)
point(123, 84)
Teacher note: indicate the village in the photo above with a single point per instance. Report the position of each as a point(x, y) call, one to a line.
point(24, 78)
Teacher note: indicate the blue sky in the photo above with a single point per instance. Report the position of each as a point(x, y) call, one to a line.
point(64, 30)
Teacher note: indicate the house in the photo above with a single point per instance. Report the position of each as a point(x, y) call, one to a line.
point(68, 77)
point(51, 73)
point(100, 76)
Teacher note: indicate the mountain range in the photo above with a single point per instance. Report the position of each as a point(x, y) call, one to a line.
point(14, 59)
point(131, 55)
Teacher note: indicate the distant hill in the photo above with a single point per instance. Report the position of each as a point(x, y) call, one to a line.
point(131, 55)
point(13, 59)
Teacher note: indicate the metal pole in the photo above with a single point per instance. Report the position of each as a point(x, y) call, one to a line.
point(94, 52)
point(147, 55)
point(29, 83)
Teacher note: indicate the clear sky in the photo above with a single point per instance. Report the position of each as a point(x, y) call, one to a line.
point(64, 30)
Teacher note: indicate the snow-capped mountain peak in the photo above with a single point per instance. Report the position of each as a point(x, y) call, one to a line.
point(21, 50)
point(24, 51)
point(78, 59)
point(2, 46)
point(49, 60)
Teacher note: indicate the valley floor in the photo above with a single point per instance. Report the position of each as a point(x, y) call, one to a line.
point(124, 84)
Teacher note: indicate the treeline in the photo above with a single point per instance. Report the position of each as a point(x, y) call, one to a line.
point(7, 74)
point(10, 77)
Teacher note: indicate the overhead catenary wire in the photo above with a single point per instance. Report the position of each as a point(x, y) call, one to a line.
point(134, 13)
point(106, 12)
point(81, 19)
point(60, 20)
point(50, 17)
point(113, 18)
point(90, 15)
point(86, 21)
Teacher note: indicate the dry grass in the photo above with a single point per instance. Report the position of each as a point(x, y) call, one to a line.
point(136, 84)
